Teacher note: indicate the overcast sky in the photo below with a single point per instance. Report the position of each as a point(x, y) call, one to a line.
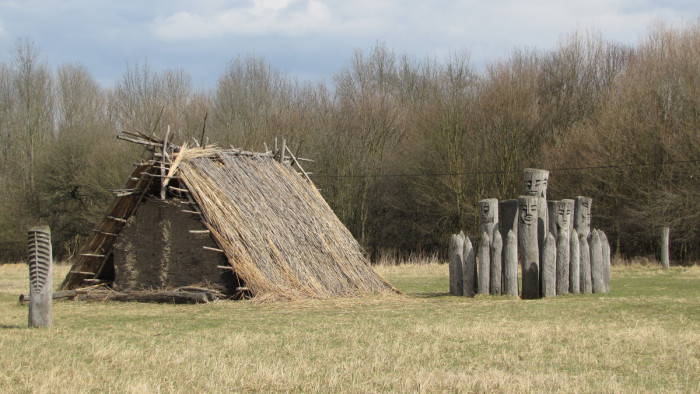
point(311, 39)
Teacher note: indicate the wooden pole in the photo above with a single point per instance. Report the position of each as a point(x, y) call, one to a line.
point(282, 151)
point(455, 254)
point(665, 235)
point(163, 172)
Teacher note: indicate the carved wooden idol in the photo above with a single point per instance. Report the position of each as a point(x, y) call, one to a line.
point(528, 246)
point(39, 258)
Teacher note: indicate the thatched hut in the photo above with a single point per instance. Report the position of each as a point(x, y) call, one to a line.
point(246, 223)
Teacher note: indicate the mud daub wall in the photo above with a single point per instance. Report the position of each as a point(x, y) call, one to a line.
point(156, 250)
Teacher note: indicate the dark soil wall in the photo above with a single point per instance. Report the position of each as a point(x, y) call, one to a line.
point(156, 250)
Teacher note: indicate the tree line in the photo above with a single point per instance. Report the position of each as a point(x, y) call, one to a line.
point(404, 147)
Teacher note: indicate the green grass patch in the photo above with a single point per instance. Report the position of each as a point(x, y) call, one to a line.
point(643, 336)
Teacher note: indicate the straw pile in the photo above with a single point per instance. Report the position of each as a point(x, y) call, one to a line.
point(277, 231)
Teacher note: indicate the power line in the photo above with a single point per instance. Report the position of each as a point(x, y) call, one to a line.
point(448, 174)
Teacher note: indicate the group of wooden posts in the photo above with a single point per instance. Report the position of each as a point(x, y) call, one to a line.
point(552, 240)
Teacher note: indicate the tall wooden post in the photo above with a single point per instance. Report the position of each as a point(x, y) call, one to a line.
point(39, 257)
point(665, 233)
point(455, 253)
point(510, 282)
point(527, 246)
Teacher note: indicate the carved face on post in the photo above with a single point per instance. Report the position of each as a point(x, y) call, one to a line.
point(563, 211)
point(582, 221)
point(488, 209)
point(536, 182)
point(527, 210)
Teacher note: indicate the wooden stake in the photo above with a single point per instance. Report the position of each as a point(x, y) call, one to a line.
point(284, 148)
point(204, 129)
point(163, 182)
point(295, 161)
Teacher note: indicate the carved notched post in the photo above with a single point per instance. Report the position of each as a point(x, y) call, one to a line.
point(39, 257)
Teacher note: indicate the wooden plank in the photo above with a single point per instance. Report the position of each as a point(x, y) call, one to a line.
point(159, 176)
point(104, 232)
point(120, 220)
point(125, 192)
point(294, 160)
point(82, 273)
point(139, 141)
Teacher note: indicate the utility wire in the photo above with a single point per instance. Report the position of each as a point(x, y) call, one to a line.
point(448, 174)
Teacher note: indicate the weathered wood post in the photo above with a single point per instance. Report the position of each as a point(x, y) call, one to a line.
point(455, 255)
point(574, 264)
point(510, 282)
point(484, 263)
point(527, 245)
point(468, 268)
point(560, 226)
point(496, 263)
point(39, 257)
point(597, 263)
point(536, 181)
point(563, 256)
point(606, 260)
point(549, 267)
point(508, 221)
point(585, 272)
point(665, 233)
point(488, 211)
point(582, 216)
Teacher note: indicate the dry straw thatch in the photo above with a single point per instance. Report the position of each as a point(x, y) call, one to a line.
point(276, 230)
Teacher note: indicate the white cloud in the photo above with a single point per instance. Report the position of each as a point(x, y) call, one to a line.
point(261, 17)
point(314, 37)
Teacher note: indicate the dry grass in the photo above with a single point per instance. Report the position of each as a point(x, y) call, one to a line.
point(644, 336)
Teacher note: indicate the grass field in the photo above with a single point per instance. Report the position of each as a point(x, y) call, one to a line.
point(644, 336)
